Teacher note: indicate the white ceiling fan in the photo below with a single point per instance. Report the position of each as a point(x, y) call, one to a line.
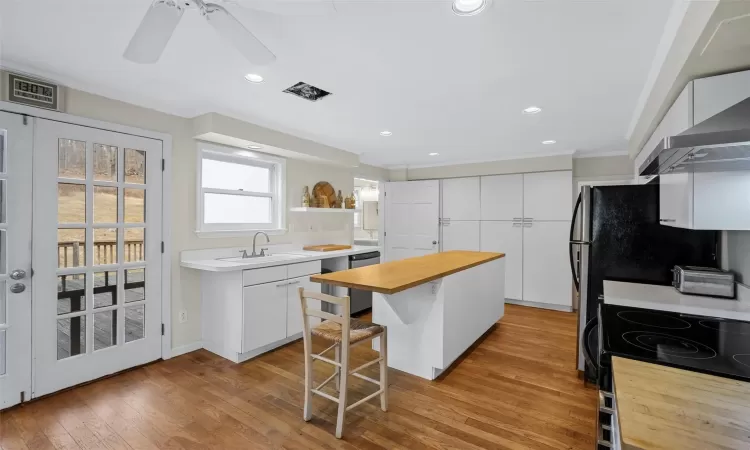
point(162, 18)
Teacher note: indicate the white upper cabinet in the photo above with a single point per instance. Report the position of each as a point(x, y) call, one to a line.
point(678, 119)
point(502, 197)
point(713, 95)
point(700, 100)
point(460, 199)
point(675, 200)
point(705, 201)
point(548, 195)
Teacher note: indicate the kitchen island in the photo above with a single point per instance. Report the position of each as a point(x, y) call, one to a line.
point(435, 306)
point(663, 407)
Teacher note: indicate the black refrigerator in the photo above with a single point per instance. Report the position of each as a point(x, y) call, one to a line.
point(616, 235)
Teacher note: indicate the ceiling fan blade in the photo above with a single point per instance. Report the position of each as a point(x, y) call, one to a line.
point(234, 32)
point(154, 32)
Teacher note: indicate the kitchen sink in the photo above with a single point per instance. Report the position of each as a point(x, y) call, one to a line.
point(263, 259)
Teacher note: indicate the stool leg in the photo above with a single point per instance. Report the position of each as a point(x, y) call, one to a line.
point(337, 357)
point(344, 375)
point(307, 413)
point(384, 370)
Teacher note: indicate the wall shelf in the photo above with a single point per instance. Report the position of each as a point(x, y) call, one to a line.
point(322, 210)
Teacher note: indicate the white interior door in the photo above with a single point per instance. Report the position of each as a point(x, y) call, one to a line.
point(460, 236)
point(546, 265)
point(15, 258)
point(506, 237)
point(97, 253)
point(412, 213)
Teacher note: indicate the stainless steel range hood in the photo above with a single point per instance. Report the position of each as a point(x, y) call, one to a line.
point(718, 144)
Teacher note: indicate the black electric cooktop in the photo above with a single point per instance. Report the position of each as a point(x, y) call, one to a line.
point(704, 344)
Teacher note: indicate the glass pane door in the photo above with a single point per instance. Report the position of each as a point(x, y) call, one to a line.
point(97, 232)
point(15, 258)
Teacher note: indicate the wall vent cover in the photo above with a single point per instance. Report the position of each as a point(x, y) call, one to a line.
point(307, 91)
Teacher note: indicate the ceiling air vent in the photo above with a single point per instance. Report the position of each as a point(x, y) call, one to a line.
point(307, 91)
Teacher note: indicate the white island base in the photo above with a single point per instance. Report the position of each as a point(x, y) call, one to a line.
point(431, 325)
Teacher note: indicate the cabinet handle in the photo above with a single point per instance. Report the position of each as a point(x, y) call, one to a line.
point(528, 224)
point(516, 224)
point(668, 220)
point(293, 282)
point(528, 219)
point(518, 219)
point(282, 284)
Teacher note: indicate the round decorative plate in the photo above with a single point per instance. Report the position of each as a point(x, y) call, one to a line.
point(324, 189)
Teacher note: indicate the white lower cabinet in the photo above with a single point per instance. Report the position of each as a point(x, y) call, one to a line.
point(264, 314)
point(294, 307)
point(546, 272)
point(506, 237)
point(463, 235)
point(247, 313)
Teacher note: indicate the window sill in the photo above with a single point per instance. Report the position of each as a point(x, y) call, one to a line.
point(236, 233)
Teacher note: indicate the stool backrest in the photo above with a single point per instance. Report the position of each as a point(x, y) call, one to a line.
point(342, 318)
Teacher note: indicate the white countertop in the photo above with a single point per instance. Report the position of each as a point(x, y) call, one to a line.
point(667, 298)
point(295, 256)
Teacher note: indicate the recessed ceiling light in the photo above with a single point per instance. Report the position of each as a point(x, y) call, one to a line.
point(255, 147)
point(532, 110)
point(434, 154)
point(385, 133)
point(254, 78)
point(550, 142)
point(468, 7)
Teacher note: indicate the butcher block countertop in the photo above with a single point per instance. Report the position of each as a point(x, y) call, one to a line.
point(397, 276)
point(662, 407)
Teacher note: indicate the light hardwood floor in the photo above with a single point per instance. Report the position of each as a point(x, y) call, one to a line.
point(516, 389)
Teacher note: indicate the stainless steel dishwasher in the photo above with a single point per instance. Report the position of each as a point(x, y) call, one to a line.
point(361, 300)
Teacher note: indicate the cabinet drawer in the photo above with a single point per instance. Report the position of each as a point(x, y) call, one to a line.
point(265, 275)
point(302, 269)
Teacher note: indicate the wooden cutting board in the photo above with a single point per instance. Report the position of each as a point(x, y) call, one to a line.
point(326, 247)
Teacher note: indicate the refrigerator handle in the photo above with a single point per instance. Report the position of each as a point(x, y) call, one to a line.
point(572, 243)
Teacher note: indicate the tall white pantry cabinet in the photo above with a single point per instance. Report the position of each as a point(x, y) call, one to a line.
point(527, 217)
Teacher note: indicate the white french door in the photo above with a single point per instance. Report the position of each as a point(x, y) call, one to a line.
point(16, 140)
point(96, 252)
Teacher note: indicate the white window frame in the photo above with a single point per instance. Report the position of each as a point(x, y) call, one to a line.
point(241, 156)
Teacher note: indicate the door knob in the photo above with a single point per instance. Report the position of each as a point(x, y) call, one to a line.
point(18, 274)
point(17, 288)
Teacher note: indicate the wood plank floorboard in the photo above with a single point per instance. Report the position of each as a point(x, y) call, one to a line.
point(516, 389)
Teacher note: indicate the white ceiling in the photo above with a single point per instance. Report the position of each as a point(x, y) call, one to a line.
point(439, 82)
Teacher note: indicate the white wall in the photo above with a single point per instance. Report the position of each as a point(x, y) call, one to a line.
point(303, 228)
point(738, 254)
point(525, 165)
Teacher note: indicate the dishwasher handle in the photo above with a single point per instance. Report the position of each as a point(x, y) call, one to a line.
point(365, 256)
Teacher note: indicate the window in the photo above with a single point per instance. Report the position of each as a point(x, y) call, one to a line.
point(239, 191)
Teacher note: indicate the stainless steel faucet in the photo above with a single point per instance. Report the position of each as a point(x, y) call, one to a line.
point(262, 251)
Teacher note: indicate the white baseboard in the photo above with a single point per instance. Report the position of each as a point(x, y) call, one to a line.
point(181, 350)
point(540, 305)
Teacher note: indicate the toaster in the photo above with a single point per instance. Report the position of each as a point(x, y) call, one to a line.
point(704, 281)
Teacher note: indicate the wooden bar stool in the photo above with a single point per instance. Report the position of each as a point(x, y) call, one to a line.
point(344, 333)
